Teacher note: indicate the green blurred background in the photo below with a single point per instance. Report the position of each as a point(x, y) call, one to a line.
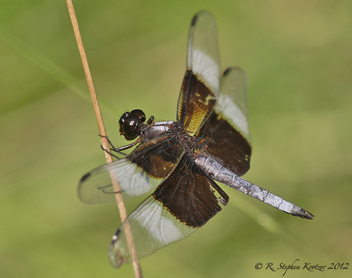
point(298, 56)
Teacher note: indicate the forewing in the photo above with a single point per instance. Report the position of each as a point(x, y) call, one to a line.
point(201, 81)
point(184, 202)
point(138, 173)
point(226, 132)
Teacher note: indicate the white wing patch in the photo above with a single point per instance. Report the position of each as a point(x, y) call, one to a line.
point(159, 223)
point(226, 106)
point(207, 69)
point(96, 187)
point(132, 179)
point(232, 100)
point(153, 227)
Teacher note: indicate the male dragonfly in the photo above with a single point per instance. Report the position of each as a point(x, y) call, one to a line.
point(182, 159)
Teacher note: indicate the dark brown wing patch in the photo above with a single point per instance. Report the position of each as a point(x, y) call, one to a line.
point(195, 102)
point(157, 157)
point(190, 195)
point(225, 144)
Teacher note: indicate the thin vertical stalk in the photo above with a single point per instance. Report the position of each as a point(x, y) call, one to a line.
point(104, 141)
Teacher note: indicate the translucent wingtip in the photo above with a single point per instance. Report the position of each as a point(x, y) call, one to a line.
point(117, 259)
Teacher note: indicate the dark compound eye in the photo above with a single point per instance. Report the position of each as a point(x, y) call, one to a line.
point(130, 123)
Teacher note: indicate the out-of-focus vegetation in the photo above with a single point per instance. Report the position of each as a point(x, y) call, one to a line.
point(298, 57)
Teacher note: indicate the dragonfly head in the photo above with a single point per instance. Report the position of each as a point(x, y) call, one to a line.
point(130, 123)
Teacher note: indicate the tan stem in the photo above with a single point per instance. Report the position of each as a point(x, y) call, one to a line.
point(104, 141)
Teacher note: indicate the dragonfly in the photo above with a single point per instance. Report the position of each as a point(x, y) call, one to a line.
point(183, 160)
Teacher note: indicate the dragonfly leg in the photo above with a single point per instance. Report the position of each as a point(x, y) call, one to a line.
point(105, 150)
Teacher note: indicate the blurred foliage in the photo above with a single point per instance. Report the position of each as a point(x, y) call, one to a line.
point(299, 61)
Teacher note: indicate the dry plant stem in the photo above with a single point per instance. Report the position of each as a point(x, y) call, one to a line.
point(104, 142)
